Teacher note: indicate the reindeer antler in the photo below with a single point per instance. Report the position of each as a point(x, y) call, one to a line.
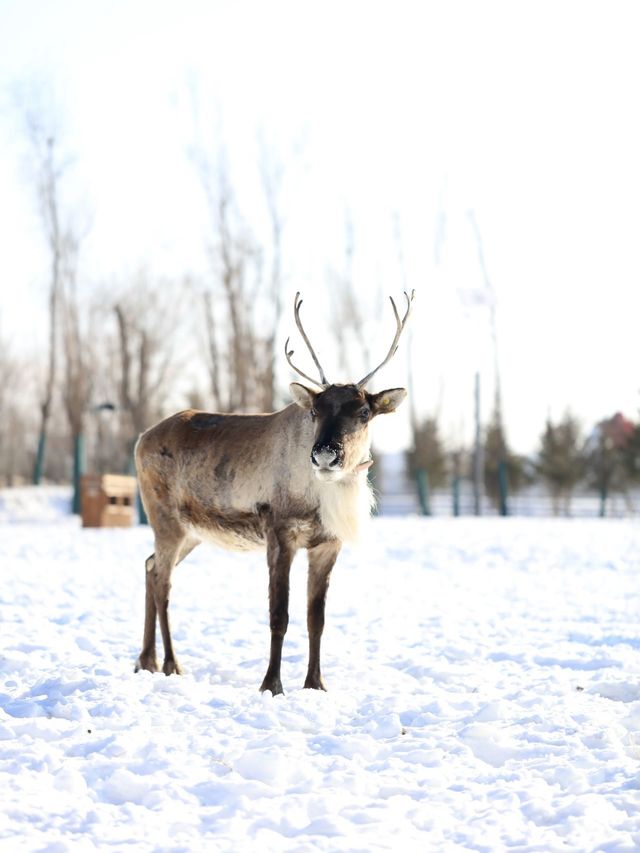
point(394, 346)
point(324, 382)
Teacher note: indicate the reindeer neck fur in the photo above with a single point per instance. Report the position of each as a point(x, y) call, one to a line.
point(345, 505)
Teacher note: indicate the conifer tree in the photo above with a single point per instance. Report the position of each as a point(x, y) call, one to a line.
point(561, 460)
point(503, 470)
point(428, 453)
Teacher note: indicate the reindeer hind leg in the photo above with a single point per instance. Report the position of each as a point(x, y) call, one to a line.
point(158, 569)
point(147, 659)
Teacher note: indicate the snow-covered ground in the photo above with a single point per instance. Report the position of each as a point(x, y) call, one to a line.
point(483, 694)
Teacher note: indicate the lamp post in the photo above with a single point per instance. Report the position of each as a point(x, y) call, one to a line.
point(478, 456)
point(80, 458)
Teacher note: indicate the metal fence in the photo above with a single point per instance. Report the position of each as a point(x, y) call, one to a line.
point(397, 494)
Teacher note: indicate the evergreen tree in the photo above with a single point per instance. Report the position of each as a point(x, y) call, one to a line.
point(428, 453)
point(561, 460)
point(503, 470)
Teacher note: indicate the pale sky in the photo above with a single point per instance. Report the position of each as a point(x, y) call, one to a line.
point(523, 112)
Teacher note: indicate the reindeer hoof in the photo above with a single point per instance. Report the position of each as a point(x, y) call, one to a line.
point(171, 667)
point(314, 683)
point(148, 662)
point(272, 684)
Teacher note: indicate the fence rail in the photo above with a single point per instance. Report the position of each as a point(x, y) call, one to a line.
point(399, 495)
point(534, 504)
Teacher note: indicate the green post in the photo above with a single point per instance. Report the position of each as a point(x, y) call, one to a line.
point(130, 467)
point(142, 515)
point(78, 471)
point(603, 501)
point(38, 467)
point(131, 470)
point(422, 481)
point(504, 489)
point(456, 496)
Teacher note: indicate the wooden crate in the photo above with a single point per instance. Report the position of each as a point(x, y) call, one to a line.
point(108, 500)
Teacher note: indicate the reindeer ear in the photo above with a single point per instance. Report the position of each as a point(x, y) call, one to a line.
point(386, 401)
point(303, 396)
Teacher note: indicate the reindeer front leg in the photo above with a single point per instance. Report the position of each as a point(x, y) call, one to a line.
point(279, 557)
point(321, 560)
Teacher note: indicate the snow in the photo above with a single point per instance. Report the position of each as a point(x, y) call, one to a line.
point(483, 694)
point(31, 504)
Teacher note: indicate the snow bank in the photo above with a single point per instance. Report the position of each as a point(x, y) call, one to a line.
point(484, 693)
point(36, 504)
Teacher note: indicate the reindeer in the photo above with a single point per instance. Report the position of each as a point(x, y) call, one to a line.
point(296, 478)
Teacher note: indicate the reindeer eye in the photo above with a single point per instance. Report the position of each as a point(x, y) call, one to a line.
point(364, 414)
point(314, 413)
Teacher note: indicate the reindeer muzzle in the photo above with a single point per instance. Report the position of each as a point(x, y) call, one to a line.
point(326, 458)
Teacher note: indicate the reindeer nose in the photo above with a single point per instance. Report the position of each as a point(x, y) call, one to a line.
point(324, 457)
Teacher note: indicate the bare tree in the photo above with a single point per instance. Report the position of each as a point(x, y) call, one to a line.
point(413, 416)
point(485, 296)
point(235, 252)
point(77, 360)
point(348, 319)
point(49, 170)
point(16, 427)
point(213, 353)
point(271, 171)
point(243, 307)
point(231, 252)
point(146, 330)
